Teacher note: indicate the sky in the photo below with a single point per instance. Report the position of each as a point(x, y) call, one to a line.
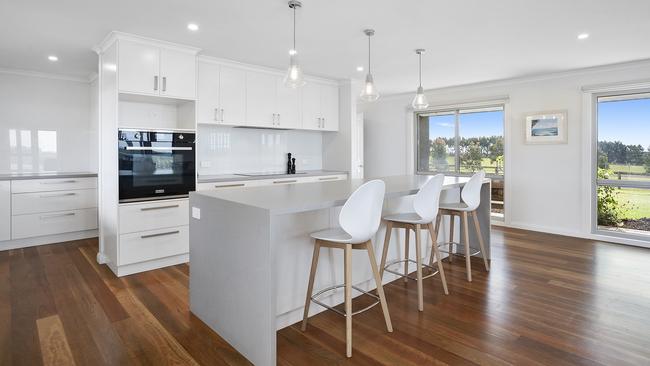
point(627, 121)
point(471, 125)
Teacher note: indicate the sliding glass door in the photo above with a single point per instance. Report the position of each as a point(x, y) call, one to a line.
point(622, 169)
point(463, 141)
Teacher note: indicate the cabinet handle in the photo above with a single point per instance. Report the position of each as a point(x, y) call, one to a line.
point(323, 122)
point(328, 178)
point(230, 185)
point(155, 82)
point(158, 208)
point(284, 181)
point(164, 83)
point(43, 217)
point(60, 182)
point(159, 234)
point(221, 114)
point(278, 119)
point(57, 195)
point(216, 114)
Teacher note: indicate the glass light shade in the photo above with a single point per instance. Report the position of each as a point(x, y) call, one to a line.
point(369, 92)
point(294, 77)
point(420, 101)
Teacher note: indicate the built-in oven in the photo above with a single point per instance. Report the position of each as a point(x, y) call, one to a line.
point(155, 164)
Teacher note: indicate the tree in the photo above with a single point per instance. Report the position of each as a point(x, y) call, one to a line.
point(603, 163)
point(472, 158)
point(439, 155)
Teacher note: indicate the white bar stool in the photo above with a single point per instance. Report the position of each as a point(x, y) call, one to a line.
point(470, 200)
point(425, 205)
point(359, 220)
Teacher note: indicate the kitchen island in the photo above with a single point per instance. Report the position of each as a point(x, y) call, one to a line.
point(250, 253)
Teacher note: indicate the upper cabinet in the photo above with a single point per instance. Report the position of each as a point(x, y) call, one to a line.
point(156, 70)
point(270, 103)
point(222, 95)
point(320, 107)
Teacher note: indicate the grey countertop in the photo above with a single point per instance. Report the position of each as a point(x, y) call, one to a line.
point(45, 175)
point(237, 178)
point(294, 198)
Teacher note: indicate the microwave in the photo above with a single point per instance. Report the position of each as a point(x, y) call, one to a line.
point(155, 164)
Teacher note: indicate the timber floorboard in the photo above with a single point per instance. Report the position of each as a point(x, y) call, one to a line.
point(548, 300)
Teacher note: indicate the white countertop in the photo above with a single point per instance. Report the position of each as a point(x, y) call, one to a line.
point(294, 198)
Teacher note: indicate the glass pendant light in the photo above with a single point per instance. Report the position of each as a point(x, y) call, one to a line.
point(369, 92)
point(420, 100)
point(294, 78)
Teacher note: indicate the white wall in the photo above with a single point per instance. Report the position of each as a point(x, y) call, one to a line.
point(228, 150)
point(545, 184)
point(45, 125)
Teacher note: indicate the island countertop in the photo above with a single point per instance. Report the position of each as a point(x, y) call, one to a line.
point(313, 196)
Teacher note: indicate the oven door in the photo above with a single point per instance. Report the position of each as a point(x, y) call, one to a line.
point(151, 170)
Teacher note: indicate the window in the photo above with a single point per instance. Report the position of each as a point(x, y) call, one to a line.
point(623, 163)
point(461, 142)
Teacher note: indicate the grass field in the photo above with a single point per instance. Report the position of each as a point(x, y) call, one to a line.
point(638, 201)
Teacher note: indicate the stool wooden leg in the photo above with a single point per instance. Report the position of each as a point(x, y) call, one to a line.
point(384, 253)
point(452, 220)
point(418, 254)
point(477, 226)
point(310, 286)
point(434, 233)
point(434, 241)
point(348, 300)
point(468, 263)
point(407, 234)
point(380, 287)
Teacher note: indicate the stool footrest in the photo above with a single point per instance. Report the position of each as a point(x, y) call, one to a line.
point(315, 296)
point(386, 269)
point(445, 244)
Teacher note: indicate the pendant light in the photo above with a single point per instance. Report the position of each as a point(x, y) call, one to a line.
point(369, 91)
point(294, 78)
point(420, 100)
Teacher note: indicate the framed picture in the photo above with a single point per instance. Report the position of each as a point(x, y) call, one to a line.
point(546, 128)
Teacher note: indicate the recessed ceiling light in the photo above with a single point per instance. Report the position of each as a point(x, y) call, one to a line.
point(52, 58)
point(193, 27)
point(359, 68)
point(583, 35)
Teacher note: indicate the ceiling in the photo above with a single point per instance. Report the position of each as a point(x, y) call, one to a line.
point(467, 41)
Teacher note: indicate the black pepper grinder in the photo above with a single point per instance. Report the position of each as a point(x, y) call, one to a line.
point(293, 166)
point(289, 163)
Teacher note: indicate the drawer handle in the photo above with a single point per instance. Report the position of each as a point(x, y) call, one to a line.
point(158, 208)
point(230, 185)
point(43, 217)
point(60, 182)
point(284, 181)
point(328, 178)
point(57, 195)
point(160, 234)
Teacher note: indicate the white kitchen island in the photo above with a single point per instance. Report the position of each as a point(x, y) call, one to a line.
point(250, 253)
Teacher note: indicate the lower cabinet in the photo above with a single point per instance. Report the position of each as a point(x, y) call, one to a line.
point(153, 244)
point(5, 210)
point(269, 182)
point(51, 223)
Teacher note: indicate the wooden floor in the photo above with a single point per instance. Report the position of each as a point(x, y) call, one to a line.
point(549, 300)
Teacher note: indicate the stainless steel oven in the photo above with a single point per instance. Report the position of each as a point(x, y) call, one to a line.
point(155, 164)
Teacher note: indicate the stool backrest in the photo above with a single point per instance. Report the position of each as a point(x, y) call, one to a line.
point(361, 213)
point(426, 201)
point(471, 193)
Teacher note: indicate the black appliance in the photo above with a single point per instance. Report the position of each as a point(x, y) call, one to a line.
point(155, 164)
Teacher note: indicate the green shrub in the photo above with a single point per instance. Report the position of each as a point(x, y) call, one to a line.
point(610, 210)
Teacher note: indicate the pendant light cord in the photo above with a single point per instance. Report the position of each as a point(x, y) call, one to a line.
point(420, 54)
point(294, 29)
point(368, 54)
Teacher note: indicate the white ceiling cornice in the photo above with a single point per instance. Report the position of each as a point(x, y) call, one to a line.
point(45, 75)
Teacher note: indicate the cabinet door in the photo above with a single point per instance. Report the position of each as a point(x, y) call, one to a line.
point(208, 97)
point(288, 106)
point(260, 99)
point(5, 210)
point(232, 96)
point(329, 98)
point(310, 102)
point(138, 68)
point(178, 74)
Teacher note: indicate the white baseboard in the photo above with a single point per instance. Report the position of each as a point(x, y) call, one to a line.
point(47, 239)
point(148, 265)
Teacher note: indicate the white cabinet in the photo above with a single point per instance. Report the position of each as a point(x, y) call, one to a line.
point(222, 95)
point(261, 99)
point(5, 210)
point(287, 106)
point(26, 226)
point(297, 179)
point(320, 107)
point(153, 215)
point(208, 93)
point(155, 70)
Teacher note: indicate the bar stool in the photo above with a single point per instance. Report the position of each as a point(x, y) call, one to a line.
point(425, 205)
point(359, 220)
point(470, 200)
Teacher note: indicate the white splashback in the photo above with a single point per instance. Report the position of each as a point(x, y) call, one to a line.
point(229, 150)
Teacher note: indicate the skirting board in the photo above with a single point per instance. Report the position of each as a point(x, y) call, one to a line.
point(148, 265)
point(47, 239)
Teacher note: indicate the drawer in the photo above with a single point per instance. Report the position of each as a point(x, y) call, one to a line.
point(55, 184)
point(326, 178)
point(25, 226)
point(39, 202)
point(135, 217)
point(228, 185)
point(153, 244)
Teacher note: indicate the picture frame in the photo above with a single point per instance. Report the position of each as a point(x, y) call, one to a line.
point(546, 128)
